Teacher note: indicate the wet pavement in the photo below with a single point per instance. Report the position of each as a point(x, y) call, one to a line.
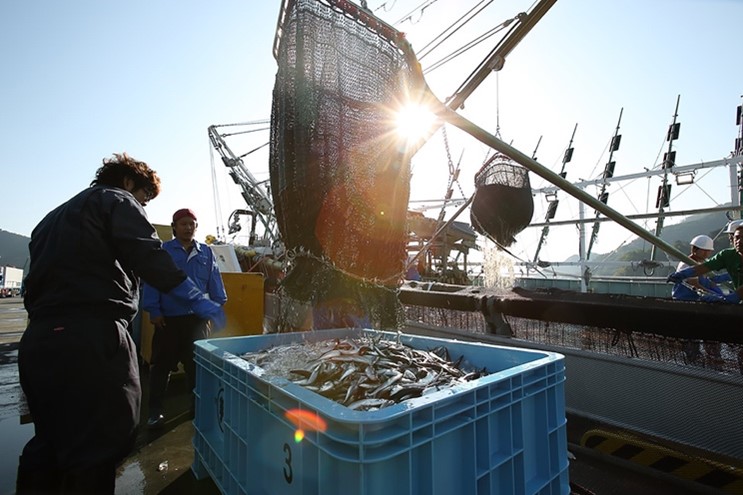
point(15, 425)
point(161, 461)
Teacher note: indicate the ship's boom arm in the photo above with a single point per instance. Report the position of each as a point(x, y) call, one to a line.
point(497, 57)
point(255, 193)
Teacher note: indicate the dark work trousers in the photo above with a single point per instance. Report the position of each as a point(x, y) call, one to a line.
point(81, 381)
point(173, 344)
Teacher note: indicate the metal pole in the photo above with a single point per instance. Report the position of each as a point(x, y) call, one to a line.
point(582, 246)
point(485, 137)
point(438, 232)
point(497, 57)
point(668, 163)
point(607, 172)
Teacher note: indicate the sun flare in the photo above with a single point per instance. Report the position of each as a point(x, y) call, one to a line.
point(413, 121)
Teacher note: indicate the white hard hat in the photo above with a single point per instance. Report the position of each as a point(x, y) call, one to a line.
point(733, 226)
point(703, 242)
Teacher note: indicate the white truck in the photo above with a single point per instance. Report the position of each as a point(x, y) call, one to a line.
point(11, 279)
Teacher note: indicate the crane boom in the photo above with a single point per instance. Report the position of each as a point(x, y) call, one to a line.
point(497, 57)
point(255, 193)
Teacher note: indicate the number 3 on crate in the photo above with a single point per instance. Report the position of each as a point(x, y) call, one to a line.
point(288, 474)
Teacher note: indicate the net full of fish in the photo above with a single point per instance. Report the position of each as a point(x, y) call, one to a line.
point(364, 373)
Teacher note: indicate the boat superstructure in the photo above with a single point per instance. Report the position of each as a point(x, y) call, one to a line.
point(645, 275)
point(641, 372)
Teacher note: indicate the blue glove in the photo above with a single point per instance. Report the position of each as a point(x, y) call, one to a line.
point(202, 306)
point(724, 277)
point(714, 298)
point(709, 285)
point(732, 298)
point(681, 275)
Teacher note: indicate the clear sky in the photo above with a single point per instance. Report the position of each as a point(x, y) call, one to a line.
point(82, 79)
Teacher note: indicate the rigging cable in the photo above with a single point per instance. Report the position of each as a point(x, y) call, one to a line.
point(464, 48)
point(453, 178)
point(249, 131)
point(254, 149)
point(215, 196)
point(487, 60)
point(409, 16)
point(497, 105)
point(252, 122)
point(385, 8)
point(425, 50)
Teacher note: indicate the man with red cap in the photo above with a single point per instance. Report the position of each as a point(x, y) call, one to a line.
point(177, 327)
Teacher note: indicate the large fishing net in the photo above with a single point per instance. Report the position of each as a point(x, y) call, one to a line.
point(633, 363)
point(503, 205)
point(340, 177)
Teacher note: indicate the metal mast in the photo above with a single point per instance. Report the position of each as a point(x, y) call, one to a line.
point(608, 173)
point(497, 57)
point(552, 198)
point(663, 199)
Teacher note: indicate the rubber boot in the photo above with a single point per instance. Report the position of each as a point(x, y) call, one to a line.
point(159, 378)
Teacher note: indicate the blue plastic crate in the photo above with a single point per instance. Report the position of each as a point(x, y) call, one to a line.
point(502, 433)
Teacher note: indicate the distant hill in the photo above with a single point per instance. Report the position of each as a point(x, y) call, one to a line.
point(677, 235)
point(13, 249)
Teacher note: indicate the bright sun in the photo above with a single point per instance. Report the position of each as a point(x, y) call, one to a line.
point(414, 121)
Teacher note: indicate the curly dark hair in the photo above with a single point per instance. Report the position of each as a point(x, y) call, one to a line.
point(120, 166)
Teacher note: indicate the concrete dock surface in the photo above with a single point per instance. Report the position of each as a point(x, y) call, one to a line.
point(161, 461)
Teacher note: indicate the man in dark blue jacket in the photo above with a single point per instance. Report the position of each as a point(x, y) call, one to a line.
point(177, 326)
point(77, 362)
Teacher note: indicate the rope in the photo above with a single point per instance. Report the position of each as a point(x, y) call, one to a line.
point(497, 105)
point(464, 48)
point(421, 7)
point(385, 8)
point(255, 149)
point(423, 51)
point(215, 196)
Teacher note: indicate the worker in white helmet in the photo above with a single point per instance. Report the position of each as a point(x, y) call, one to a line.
point(730, 259)
point(699, 288)
point(695, 287)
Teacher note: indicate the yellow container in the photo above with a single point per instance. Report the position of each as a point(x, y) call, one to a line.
point(245, 306)
point(244, 310)
point(164, 232)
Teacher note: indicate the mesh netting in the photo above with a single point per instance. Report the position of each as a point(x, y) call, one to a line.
point(339, 178)
point(503, 205)
point(724, 357)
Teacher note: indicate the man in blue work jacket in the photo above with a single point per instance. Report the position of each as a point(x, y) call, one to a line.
point(176, 326)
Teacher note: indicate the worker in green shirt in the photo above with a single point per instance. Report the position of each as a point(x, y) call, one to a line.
point(730, 259)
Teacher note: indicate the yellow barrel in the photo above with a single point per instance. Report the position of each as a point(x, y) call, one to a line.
point(244, 308)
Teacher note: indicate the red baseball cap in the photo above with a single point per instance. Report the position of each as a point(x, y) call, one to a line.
point(183, 212)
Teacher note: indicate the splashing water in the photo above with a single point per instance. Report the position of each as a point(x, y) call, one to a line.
point(498, 268)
